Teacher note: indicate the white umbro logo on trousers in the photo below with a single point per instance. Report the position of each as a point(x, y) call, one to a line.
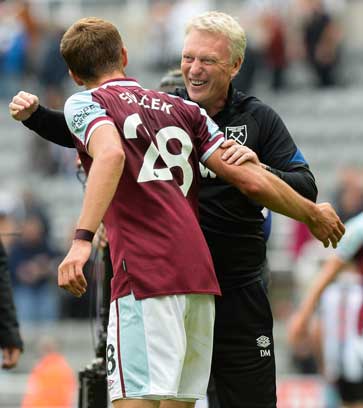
point(263, 342)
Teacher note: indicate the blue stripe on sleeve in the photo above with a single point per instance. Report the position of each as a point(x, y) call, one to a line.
point(298, 157)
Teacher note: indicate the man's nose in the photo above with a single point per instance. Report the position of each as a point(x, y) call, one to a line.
point(196, 66)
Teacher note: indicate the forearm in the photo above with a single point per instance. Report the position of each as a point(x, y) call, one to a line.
point(102, 182)
point(300, 179)
point(50, 125)
point(329, 272)
point(271, 192)
point(265, 188)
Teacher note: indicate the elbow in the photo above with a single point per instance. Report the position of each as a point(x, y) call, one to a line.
point(250, 179)
point(252, 187)
point(254, 190)
point(114, 156)
point(314, 194)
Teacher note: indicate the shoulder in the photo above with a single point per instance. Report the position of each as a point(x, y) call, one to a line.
point(253, 105)
point(181, 92)
point(352, 240)
point(355, 224)
point(80, 109)
point(78, 100)
point(185, 104)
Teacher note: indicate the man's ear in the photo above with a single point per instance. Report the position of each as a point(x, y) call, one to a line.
point(236, 67)
point(75, 78)
point(124, 56)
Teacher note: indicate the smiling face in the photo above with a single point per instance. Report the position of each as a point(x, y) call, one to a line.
point(207, 69)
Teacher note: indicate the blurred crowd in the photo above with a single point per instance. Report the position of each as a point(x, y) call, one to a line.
point(279, 33)
point(30, 59)
point(33, 259)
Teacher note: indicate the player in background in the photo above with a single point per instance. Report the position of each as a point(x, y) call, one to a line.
point(340, 317)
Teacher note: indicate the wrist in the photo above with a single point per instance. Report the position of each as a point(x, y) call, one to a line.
point(83, 235)
point(312, 215)
point(265, 166)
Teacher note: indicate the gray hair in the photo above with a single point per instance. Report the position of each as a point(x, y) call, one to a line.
point(222, 23)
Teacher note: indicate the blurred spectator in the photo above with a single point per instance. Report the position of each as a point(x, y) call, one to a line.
point(158, 36)
point(52, 383)
point(32, 29)
point(275, 47)
point(245, 78)
point(33, 206)
point(13, 44)
point(52, 75)
point(11, 343)
point(349, 196)
point(52, 71)
point(10, 211)
point(249, 17)
point(33, 271)
point(323, 42)
point(299, 237)
point(309, 260)
point(166, 30)
point(338, 331)
point(171, 80)
point(340, 328)
point(18, 33)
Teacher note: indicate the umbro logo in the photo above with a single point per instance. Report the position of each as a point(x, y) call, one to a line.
point(237, 133)
point(263, 342)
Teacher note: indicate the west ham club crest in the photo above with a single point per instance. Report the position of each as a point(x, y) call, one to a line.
point(237, 133)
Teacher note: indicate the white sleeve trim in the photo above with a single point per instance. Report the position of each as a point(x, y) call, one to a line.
point(96, 126)
point(212, 149)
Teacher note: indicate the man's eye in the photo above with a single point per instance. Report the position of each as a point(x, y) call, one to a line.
point(187, 58)
point(209, 61)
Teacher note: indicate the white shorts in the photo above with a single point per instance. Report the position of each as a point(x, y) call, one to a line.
point(161, 347)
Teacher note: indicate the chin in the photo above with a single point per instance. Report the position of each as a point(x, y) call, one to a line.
point(195, 96)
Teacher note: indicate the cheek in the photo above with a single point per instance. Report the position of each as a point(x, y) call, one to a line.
point(184, 69)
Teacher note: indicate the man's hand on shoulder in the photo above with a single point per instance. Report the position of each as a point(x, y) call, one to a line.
point(23, 105)
point(237, 154)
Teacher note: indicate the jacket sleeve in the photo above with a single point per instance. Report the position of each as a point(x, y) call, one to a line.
point(50, 125)
point(9, 326)
point(279, 152)
point(300, 178)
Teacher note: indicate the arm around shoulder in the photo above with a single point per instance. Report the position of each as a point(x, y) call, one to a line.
point(271, 192)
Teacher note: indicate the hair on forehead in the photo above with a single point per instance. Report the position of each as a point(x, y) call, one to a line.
point(221, 23)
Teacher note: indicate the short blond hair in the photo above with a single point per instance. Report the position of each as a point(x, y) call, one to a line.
point(222, 23)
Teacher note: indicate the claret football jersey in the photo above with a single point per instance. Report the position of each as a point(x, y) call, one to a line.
point(156, 245)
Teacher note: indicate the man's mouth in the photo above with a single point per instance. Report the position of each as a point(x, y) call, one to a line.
point(196, 82)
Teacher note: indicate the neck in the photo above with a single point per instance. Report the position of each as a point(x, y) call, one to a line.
point(104, 78)
point(216, 106)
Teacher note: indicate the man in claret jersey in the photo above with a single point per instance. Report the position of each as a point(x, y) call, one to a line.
point(141, 150)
